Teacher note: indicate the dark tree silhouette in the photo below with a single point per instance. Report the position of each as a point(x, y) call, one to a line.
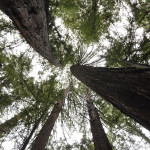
point(42, 138)
point(128, 89)
point(99, 137)
point(30, 18)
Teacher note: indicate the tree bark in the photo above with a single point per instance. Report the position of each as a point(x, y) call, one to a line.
point(99, 137)
point(42, 138)
point(128, 89)
point(30, 18)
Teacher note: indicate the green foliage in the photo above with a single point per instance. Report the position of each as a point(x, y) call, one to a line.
point(63, 51)
point(88, 19)
point(11, 70)
point(124, 50)
point(24, 116)
point(19, 88)
point(5, 26)
point(141, 11)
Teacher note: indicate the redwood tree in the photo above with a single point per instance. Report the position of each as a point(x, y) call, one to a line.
point(31, 19)
point(125, 88)
point(99, 137)
point(42, 138)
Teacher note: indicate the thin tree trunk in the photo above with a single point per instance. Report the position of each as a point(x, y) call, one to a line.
point(127, 89)
point(140, 133)
point(11, 123)
point(30, 17)
point(42, 138)
point(99, 137)
point(33, 130)
point(136, 65)
point(133, 64)
point(137, 131)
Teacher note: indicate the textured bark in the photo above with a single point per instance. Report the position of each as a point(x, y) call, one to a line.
point(99, 137)
point(42, 138)
point(30, 17)
point(127, 89)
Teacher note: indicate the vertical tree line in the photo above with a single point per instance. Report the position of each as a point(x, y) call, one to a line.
point(43, 136)
point(99, 137)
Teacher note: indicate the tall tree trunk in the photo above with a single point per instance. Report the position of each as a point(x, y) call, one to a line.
point(99, 137)
point(25, 143)
point(30, 17)
point(11, 123)
point(42, 138)
point(128, 89)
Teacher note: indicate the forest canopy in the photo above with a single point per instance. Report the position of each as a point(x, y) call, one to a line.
point(43, 101)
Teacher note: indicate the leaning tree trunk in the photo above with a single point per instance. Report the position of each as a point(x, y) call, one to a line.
point(30, 17)
point(128, 89)
point(137, 132)
point(7, 126)
point(99, 137)
point(42, 138)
